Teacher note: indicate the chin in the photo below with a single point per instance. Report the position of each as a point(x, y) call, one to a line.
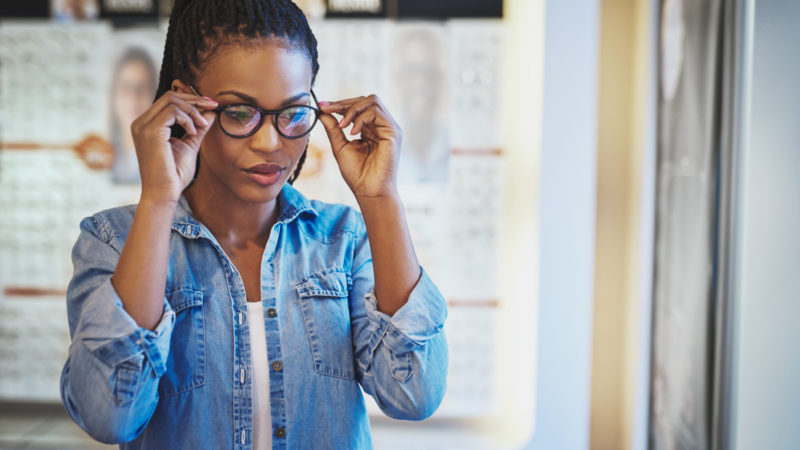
point(260, 194)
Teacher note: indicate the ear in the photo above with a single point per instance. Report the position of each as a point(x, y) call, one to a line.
point(180, 86)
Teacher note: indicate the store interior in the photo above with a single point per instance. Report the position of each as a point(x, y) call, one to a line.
point(623, 276)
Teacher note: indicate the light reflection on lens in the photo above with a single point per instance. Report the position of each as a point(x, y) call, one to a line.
point(295, 121)
point(240, 119)
point(291, 122)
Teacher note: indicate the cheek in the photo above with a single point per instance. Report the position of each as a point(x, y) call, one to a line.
point(301, 144)
point(220, 150)
point(298, 146)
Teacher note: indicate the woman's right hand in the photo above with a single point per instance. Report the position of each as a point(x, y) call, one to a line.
point(167, 164)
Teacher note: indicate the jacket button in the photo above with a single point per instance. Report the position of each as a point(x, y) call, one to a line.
point(271, 312)
point(277, 366)
point(280, 432)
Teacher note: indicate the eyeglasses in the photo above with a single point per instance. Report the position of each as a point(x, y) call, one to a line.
point(240, 120)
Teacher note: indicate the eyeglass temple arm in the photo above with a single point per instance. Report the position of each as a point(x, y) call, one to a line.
point(314, 96)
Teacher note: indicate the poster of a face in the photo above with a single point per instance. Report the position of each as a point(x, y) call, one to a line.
point(418, 79)
point(133, 82)
point(74, 10)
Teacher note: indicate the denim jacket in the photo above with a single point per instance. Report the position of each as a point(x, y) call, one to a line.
point(187, 384)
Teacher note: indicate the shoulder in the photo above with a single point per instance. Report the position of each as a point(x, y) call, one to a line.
point(331, 221)
point(110, 224)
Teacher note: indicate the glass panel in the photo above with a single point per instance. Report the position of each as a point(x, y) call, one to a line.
point(688, 143)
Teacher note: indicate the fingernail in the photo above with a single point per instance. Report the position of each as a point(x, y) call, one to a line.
point(341, 123)
point(211, 100)
point(324, 103)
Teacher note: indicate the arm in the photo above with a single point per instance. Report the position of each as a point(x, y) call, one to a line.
point(400, 360)
point(167, 166)
point(120, 322)
point(369, 167)
point(400, 349)
point(394, 260)
point(140, 276)
point(110, 379)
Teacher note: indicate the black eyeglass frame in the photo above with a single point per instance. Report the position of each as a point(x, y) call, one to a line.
point(264, 113)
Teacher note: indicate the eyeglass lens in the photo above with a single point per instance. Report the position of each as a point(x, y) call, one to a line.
point(293, 121)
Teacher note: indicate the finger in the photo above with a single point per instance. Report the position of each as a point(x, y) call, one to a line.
point(335, 134)
point(187, 102)
point(193, 108)
point(185, 157)
point(362, 120)
point(172, 115)
point(198, 100)
point(341, 107)
point(354, 109)
point(338, 106)
point(375, 122)
point(181, 149)
point(198, 117)
point(167, 116)
point(195, 140)
point(369, 134)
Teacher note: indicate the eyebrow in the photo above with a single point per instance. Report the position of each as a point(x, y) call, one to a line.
point(252, 100)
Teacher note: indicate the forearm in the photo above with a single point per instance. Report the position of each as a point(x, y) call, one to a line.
point(141, 273)
point(110, 412)
point(412, 386)
point(394, 260)
point(401, 360)
point(110, 380)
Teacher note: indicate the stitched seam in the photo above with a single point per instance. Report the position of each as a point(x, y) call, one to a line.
point(333, 238)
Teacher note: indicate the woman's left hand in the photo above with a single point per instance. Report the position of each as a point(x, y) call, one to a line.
point(369, 164)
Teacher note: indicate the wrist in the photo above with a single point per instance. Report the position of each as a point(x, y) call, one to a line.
point(385, 200)
point(157, 202)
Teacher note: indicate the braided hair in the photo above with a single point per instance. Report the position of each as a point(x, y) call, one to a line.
point(198, 29)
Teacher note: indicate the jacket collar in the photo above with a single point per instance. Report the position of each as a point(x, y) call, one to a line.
point(291, 204)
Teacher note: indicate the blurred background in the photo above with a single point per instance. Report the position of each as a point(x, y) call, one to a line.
point(604, 190)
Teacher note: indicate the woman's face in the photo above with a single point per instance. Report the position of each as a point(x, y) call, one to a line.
point(270, 76)
point(133, 92)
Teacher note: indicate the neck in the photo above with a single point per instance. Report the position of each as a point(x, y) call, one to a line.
point(230, 219)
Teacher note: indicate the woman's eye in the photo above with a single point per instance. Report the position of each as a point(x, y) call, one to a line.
point(240, 114)
point(294, 116)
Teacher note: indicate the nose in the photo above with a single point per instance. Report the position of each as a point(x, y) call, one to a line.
point(266, 138)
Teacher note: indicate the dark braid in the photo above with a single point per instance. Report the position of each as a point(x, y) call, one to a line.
point(300, 162)
point(198, 29)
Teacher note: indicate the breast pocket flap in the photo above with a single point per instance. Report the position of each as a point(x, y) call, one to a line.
point(328, 284)
point(183, 298)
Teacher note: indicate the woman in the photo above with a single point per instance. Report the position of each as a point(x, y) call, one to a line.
point(225, 310)
point(133, 86)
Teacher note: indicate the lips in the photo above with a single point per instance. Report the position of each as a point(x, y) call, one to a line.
point(264, 174)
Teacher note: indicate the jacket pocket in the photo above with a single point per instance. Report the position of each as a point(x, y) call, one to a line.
point(186, 364)
point(326, 313)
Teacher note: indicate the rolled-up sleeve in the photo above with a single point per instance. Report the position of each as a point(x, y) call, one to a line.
point(402, 359)
point(109, 384)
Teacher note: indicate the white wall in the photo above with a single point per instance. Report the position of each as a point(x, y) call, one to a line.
point(767, 374)
point(567, 192)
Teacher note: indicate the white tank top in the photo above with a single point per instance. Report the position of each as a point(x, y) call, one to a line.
point(262, 421)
